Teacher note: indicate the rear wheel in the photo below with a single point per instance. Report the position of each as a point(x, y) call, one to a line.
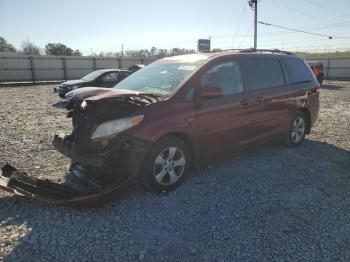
point(167, 165)
point(297, 130)
point(320, 79)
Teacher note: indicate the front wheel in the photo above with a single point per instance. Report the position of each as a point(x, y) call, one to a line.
point(167, 165)
point(297, 130)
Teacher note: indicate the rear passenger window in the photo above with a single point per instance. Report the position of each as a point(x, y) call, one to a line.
point(297, 71)
point(263, 73)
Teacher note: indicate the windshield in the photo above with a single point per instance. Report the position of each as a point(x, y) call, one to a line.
point(164, 76)
point(92, 76)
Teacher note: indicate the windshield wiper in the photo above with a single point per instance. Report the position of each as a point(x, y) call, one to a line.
point(145, 98)
point(155, 96)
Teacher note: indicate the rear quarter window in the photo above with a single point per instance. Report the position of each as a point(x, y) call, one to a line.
point(263, 73)
point(297, 71)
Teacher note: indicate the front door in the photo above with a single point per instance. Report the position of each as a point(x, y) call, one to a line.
point(223, 122)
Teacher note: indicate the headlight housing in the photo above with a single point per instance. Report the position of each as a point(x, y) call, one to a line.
point(116, 126)
point(69, 96)
point(74, 86)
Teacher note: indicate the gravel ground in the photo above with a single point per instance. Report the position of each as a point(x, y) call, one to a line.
point(267, 204)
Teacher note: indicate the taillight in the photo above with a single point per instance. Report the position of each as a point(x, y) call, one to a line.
point(315, 89)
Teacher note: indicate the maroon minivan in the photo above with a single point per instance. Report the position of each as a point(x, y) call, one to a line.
point(163, 119)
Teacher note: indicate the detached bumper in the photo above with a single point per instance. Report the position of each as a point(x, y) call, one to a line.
point(14, 181)
point(19, 183)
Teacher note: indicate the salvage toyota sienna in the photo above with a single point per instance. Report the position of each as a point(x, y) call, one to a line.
point(161, 121)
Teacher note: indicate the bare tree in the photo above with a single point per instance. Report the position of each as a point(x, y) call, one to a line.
point(154, 53)
point(181, 51)
point(110, 54)
point(29, 48)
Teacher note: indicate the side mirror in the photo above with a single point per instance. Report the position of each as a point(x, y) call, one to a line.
point(210, 92)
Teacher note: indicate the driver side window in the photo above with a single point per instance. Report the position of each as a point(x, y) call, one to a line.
point(226, 76)
point(109, 77)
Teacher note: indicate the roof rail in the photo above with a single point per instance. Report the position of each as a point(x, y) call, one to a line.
point(249, 50)
point(252, 50)
point(229, 49)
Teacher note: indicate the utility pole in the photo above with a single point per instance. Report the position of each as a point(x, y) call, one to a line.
point(210, 43)
point(122, 50)
point(254, 5)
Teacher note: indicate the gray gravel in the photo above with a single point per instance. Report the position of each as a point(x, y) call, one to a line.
point(267, 204)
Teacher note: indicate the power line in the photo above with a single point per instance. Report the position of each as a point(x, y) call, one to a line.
point(310, 29)
point(326, 8)
point(289, 42)
point(292, 38)
point(295, 30)
point(244, 37)
point(302, 31)
point(301, 48)
point(239, 24)
point(319, 48)
point(318, 45)
point(322, 27)
point(301, 43)
point(300, 12)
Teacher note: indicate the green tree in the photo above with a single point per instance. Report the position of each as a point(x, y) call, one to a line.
point(162, 53)
point(5, 46)
point(77, 53)
point(153, 51)
point(60, 49)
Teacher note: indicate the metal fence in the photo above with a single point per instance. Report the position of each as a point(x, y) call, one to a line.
point(335, 68)
point(17, 68)
point(20, 68)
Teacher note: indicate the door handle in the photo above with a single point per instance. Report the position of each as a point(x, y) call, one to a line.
point(244, 102)
point(259, 100)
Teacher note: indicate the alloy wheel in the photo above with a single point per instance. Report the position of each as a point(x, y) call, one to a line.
point(297, 130)
point(169, 166)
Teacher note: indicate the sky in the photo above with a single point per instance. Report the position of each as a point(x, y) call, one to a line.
point(106, 25)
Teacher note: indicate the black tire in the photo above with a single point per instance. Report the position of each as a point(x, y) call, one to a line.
point(320, 80)
point(161, 151)
point(295, 136)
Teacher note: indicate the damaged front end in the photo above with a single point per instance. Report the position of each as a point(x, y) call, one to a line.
point(103, 157)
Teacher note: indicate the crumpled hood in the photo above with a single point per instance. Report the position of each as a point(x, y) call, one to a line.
point(97, 93)
point(74, 82)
